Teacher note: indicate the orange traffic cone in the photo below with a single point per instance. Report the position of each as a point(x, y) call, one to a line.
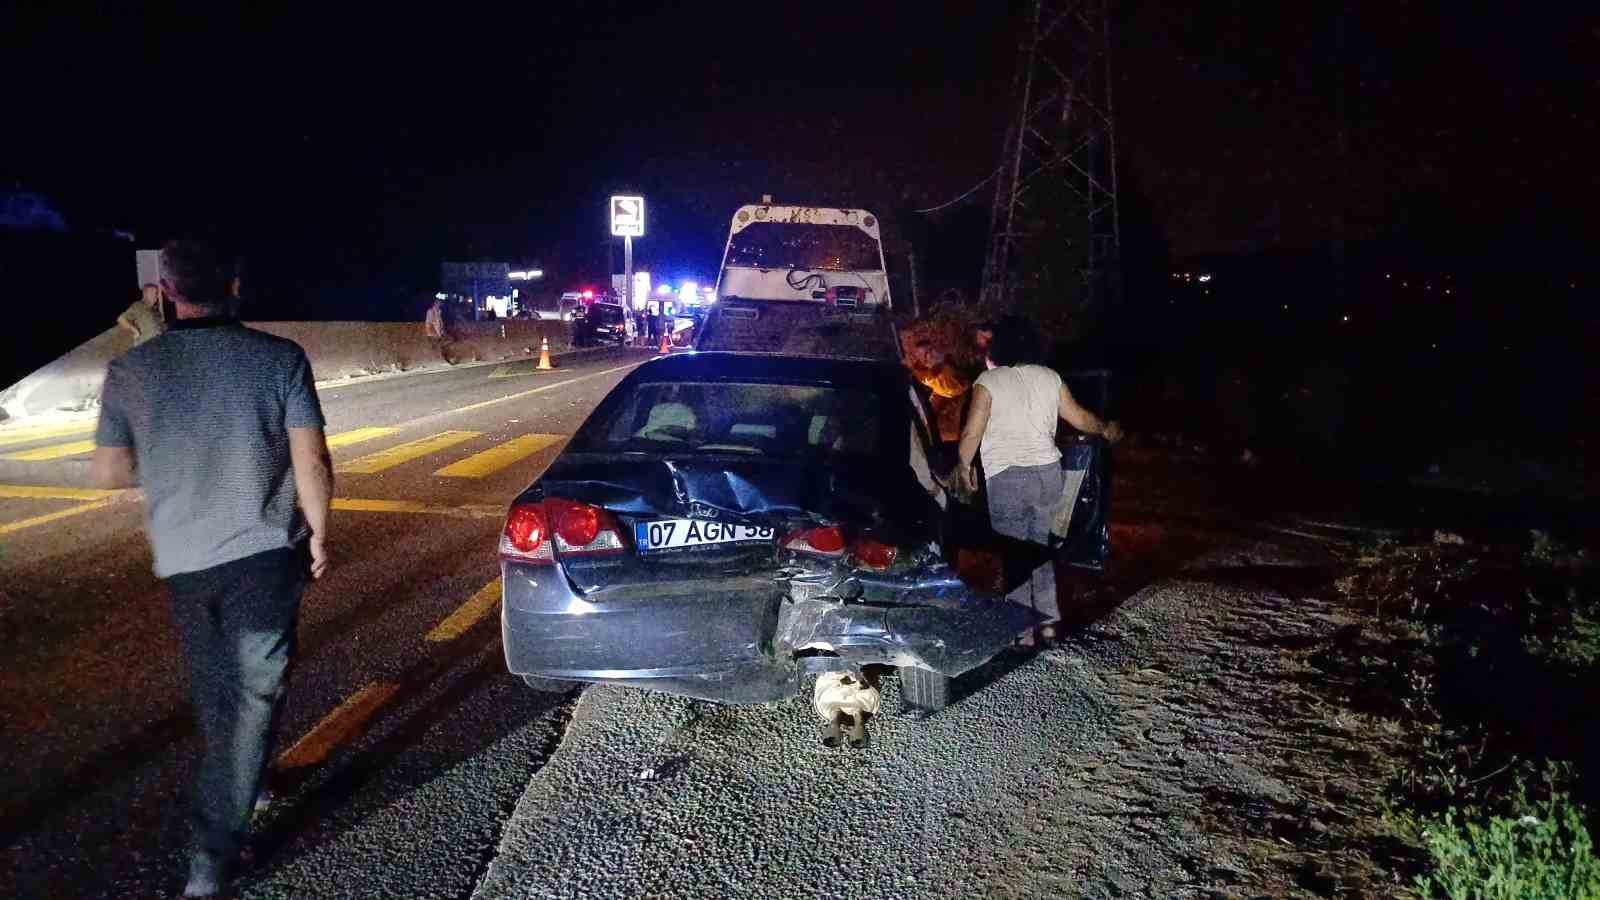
point(665, 347)
point(544, 353)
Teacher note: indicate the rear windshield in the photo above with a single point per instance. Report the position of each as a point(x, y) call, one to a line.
point(609, 315)
point(836, 248)
point(726, 417)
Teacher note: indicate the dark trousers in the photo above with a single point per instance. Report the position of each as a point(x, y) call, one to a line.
point(1023, 502)
point(236, 623)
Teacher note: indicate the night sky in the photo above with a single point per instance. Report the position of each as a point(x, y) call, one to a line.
point(346, 154)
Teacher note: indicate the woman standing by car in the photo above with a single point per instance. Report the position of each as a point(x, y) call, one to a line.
point(1015, 407)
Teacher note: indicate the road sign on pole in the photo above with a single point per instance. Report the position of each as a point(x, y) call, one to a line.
point(627, 275)
point(627, 222)
point(627, 216)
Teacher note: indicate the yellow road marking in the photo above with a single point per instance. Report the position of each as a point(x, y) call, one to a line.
point(26, 433)
point(75, 448)
point(54, 451)
point(467, 614)
point(496, 458)
point(49, 492)
point(394, 456)
point(80, 509)
point(346, 438)
point(465, 511)
point(346, 721)
point(544, 387)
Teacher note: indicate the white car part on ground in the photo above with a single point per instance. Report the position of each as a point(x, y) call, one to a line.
point(843, 701)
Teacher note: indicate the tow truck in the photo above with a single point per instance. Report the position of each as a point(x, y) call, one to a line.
point(802, 281)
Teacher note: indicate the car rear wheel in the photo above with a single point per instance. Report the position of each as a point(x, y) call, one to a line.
point(922, 689)
point(550, 685)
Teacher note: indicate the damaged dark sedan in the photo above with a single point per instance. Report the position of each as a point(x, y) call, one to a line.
point(726, 521)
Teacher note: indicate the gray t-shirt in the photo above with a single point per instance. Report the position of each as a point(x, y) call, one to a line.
point(206, 408)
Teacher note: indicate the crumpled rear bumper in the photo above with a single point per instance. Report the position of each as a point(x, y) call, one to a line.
point(745, 639)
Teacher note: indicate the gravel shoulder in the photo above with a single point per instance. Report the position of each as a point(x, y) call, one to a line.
point(1171, 748)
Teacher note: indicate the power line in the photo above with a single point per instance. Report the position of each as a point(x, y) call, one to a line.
point(975, 189)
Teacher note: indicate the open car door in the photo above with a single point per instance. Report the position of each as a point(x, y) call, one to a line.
point(1085, 542)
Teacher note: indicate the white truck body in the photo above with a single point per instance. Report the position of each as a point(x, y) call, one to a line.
point(806, 253)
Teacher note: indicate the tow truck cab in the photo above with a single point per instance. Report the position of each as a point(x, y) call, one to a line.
point(806, 253)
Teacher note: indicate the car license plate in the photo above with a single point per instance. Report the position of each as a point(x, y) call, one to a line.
point(676, 534)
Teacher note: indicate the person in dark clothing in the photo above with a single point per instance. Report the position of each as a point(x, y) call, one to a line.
point(221, 427)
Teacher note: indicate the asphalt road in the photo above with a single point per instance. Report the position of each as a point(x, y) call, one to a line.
point(405, 743)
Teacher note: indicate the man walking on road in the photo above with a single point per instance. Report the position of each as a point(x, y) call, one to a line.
point(221, 426)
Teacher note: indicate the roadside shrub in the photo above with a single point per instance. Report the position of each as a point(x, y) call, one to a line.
point(1540, 850)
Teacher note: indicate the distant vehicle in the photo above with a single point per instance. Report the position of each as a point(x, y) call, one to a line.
point(724, 522)
point(579, 301)
point(601, 323)
point(815, 253)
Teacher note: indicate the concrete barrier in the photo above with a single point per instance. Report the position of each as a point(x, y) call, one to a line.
point(337, 350)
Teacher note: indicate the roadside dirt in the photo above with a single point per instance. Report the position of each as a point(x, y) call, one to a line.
point(1231, 752)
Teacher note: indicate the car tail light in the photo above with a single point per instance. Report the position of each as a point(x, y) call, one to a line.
point(578, 526)
point(873, 553)
point(526, 537)
point(825, 541)
point(539, 532)
point(583, 530)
